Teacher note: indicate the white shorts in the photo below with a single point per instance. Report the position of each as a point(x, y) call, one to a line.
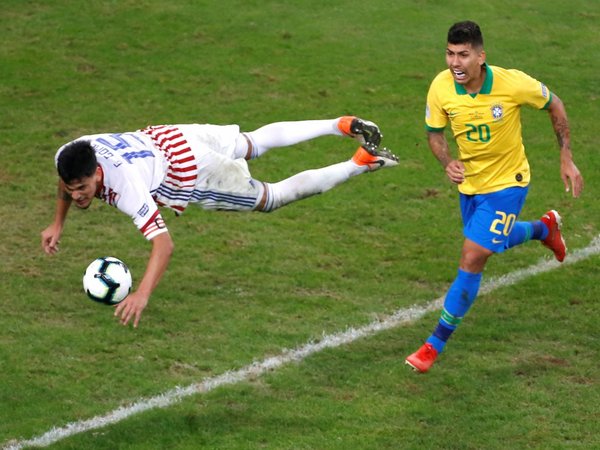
point(224, 181)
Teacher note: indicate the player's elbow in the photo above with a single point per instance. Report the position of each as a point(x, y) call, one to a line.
point(555, 99)
point(164, 244)
point(169, 246)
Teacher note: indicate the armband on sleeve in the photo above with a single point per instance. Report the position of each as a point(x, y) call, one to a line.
point(155, 226)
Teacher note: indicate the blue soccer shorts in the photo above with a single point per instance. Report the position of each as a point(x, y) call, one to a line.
point(489, 218)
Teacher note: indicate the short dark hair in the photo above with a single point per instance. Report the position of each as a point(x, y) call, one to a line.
point(76, 160)
point(466, 32)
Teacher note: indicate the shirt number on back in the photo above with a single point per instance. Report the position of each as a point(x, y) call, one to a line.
point(119, 143)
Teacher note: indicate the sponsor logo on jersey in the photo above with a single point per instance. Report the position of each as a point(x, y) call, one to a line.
point(143, 210)
point(544, 90)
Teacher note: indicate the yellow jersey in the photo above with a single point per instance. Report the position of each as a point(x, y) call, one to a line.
point(487, 125)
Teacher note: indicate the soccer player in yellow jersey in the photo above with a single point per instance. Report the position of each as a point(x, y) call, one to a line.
point(482, 104)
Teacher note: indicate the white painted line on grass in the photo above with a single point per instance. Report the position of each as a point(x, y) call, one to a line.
point(400, 317)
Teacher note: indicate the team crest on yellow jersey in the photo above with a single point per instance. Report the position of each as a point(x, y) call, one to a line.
point(497, 111)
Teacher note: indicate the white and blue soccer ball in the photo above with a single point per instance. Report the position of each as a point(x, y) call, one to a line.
point(107, 280)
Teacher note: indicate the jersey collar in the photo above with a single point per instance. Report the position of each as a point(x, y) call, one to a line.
point(486, 88)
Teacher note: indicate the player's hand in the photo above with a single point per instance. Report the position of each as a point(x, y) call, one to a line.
point(571, 177)
point(50, 239)
point(455, 170)
point(131, 308)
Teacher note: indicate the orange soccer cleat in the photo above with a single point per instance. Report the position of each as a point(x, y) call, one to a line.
point(374, 158)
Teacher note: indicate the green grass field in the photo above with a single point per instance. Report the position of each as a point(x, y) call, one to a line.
point(521, 372)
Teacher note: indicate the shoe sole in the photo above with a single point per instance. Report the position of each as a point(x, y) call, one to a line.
point(386, 162)
point(413, 367)
point(364, 137)
point(384, 154)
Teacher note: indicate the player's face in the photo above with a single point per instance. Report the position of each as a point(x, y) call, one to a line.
point(464, 62)
point(83, 190)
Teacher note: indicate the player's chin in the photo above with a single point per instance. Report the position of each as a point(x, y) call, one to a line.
point(83, 205)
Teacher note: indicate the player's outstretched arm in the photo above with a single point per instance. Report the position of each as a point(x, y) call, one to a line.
point(131, 308)
point(569, 172)
point(51, 235)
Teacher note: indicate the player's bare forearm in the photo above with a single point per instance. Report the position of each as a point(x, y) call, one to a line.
point(560, 123)
point(131, 308)
point(439, 147)
point(51, 235)
point(63, 203)
point(570, 174)
point(162, 249)
point(455, 170)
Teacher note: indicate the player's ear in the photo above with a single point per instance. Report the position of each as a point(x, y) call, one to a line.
point(98, 174)
point(482, 57)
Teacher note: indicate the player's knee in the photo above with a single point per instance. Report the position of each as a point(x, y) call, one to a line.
point(473, 262)
point(243, 147)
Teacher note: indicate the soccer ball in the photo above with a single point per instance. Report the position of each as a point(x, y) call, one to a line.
point(107, 280)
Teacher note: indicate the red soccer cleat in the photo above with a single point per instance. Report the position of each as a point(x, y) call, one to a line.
point(554, 241)
point(422, 359)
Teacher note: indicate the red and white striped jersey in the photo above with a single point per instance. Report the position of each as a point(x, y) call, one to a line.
point(142, 169)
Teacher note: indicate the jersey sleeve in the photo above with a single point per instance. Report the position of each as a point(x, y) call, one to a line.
point(154, 226)
point(436, 118)
point(141, 207)
point(530, 91)
point(126, 190)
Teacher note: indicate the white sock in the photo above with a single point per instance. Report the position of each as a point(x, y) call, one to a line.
point(309, 182)
point(283, 134)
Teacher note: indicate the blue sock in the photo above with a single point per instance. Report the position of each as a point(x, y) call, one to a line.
point(459, 299)
point(540, 230)
point(525, 231)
